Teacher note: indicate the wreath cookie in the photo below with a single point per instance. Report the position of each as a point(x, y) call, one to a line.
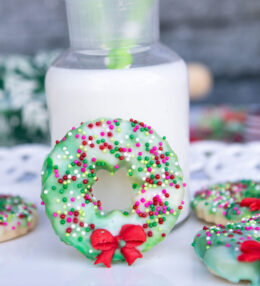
point(227, 202)
point(71, 169)
point(232, 251)
point(16, 217)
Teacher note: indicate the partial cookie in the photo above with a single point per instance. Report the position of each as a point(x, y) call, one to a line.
point(227, 202)
point(16, 217)
point(232, 251)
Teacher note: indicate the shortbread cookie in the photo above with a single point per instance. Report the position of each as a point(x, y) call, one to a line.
point(227, 202)
point(16, 217)
point(232, 251)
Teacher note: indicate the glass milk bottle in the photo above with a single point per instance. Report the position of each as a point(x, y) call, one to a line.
point(116, 67)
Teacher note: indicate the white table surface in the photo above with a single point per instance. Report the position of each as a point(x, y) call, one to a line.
point(40, 259)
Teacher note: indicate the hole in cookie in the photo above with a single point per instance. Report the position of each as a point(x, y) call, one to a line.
point(114, 192)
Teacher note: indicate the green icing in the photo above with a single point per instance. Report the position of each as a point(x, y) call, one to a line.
point(48, 166)
point(71, 169)
point(224, 199)
point(219, 247)
point(15, 211)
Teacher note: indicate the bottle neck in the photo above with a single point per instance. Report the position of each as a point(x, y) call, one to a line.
point(101, 25)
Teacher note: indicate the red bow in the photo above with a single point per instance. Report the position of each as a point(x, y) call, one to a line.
point(129, 237)
point(252, 203)
point(251, 251)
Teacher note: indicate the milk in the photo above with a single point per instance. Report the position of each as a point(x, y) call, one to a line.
point(156, 95)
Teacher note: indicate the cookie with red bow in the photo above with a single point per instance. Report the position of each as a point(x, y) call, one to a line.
point(232, 251)
point(227, 202)
point(68, 189)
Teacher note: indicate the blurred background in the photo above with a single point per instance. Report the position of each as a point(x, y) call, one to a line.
point(223, 35)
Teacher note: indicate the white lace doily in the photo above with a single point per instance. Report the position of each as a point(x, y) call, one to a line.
point(22, 163)
point(209, 161)
point(221, 162)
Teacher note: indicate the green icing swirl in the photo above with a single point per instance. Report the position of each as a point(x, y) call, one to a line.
point(14, 211)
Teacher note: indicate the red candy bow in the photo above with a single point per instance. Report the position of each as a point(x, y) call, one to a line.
point(252, 203)
point(251, 251)
point(129, 237)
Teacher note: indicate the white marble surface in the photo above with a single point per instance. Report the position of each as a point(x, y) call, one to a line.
point(40, 259)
